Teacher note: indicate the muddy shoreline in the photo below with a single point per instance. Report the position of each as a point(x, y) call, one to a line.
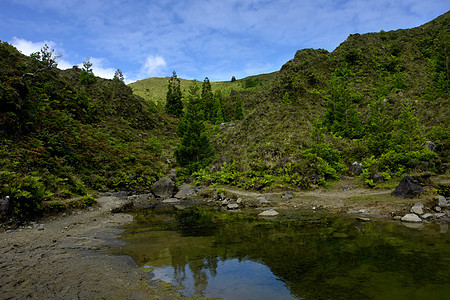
point(66, 256)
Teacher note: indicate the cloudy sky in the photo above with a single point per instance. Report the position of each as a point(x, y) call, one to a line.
point(198, 38)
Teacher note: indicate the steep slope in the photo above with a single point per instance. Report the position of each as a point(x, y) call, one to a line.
point(62, 137)
point(279, 135)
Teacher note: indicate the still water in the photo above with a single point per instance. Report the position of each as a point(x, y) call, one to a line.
point(296, 256)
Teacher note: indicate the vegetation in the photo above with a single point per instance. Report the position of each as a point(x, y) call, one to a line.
point(378, 99)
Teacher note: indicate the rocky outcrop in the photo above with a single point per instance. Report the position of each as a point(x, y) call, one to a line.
point(408, 188)
point(355, 168)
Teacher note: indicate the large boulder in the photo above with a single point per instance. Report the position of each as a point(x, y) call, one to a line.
point(142, 201)
point(408, 188)
point(164, 188)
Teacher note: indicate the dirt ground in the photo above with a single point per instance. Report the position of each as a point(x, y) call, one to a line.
point(65, 257)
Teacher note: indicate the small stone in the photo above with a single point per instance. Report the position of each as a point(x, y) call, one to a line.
point(171, 200)
point(437, 208)
point(269, 213)
point(361, 219)
point(441, 201)
point(239, 201)
point(417, 208)
point(287, 195)
point(263, 200)
point(439, 215)
point(233, 206)
point(397, 218)
point(225, 202)
point(40, 227)
point(427, 216)
point(411, 218)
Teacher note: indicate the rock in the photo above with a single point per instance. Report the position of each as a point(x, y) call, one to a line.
point(346, 187)
point(361, 219)
point(397, 218)
point(441, 201)
point(164, 188)
point(263, 200)
point(411, 218)
point(239, 201)
point(437, 208)
point(377, 178)
point(142, 201)
point(355, 168)
point(184, 193)
point(408, 188)
point(427, 216)
point(269, 213)
point(232, 206)
point(439, 215)
point(4, 206)
point(287, 195)
point(225, 202)
point(417, 208)
point(171, 200)
point(431, 146)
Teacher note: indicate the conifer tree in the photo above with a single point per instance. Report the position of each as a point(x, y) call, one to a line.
point(207, 100)
point(378, 128)
point(218, 113)
point(238, 113)
point(195, 150)
point(407, 134)
point(174, 104)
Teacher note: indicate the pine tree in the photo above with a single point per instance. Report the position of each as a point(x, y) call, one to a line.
point(195, 150)
point(341, 116)
point(238, 113)
point(218, 114)
point(378, 128)
point(407, 134)
point(207, 100)
point(174, 104)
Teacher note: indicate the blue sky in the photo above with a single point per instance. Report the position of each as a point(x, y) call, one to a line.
point(198, 38)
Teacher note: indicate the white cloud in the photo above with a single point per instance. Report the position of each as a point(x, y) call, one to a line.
point(28, 47)
point(153, 66)
point(100, 70)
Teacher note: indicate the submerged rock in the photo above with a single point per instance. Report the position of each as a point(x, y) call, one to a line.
point(413, 218)
point(269, 213)
point(408, 188)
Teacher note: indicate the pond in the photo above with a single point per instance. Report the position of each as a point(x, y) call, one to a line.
point(297, 255)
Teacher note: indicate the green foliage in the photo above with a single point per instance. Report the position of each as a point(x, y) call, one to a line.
point(174, 104)
point(195, 150)
point(87, 75)
point(26, 193)
point(238, 114)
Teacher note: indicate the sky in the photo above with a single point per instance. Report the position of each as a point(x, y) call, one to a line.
point(217, 39)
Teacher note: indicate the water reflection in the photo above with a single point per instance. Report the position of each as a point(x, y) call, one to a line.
point(237, 256)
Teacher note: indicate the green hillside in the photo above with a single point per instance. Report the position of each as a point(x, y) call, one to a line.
point(155, 89)
point(381, 99)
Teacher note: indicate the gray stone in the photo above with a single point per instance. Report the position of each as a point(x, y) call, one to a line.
point(263, 200)
point(377, 178)
point(408, 188)
point(417, 208)
point(397, 218)
point(233, 206)
point(439, 215)
point(287, 195)
point(355, 168)
point(361, 219)
point(269, 213)
point(142, 201)
point(225, 202)
point(431, 146)
point(441, 201)
point(347, 187)
point(427, 216)
point(4, 206)
point(239, 201)
point(437, 208)
point(184, 193)
point(411, 218)
point(171, 200)
point(164, 188)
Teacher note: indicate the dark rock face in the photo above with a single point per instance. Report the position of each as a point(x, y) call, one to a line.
point(408, 188)
point(377, 178)
point(164, 188)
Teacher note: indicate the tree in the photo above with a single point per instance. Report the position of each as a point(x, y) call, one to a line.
point(195, 150)
point(118, 75)
point(341, 116)
point(47, 59)
point(233, 79)
point(407, 134)
point(207, 100)
point(238, 114)
point(87, 74)
point(218, 113)
point(174, 104)
point(378, 129)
